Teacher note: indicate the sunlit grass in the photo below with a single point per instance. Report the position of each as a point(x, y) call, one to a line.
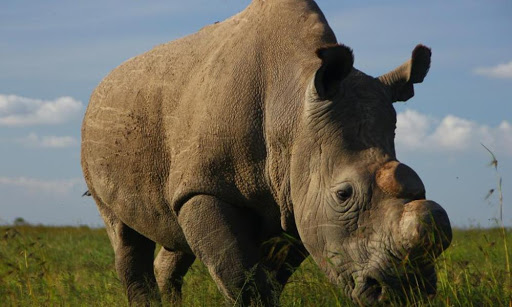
point(50, 266)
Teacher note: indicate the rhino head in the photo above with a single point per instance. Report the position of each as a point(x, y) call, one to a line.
point(360, 213)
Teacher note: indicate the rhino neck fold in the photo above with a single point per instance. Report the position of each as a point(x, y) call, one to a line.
point(288, 62)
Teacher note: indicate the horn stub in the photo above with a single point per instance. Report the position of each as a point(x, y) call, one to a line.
point(400, 181)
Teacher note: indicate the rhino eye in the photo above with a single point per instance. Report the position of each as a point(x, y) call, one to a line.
point(344, 192)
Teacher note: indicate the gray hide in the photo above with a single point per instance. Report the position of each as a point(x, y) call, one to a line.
point(249, 145)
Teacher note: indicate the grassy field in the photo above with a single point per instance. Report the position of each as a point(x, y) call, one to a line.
point(73, 266)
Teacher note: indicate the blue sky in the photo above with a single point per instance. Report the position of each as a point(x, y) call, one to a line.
point(53, 54)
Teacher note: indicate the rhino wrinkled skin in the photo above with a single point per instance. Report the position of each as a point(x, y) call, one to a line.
point(250, 145)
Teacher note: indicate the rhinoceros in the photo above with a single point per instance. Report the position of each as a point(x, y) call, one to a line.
point(251, 145)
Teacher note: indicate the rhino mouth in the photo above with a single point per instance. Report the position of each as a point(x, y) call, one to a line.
point(370, 292)
point(383, 287)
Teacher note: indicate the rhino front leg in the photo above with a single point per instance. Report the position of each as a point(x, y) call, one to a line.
point(170, 267)
point(223, 237)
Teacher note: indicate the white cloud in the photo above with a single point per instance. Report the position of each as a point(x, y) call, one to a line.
point(23, 111)
point(50, 141)
point(416, 131)
point(412, 128)
point(453, 133)
point(498, 71)
point(32, 185)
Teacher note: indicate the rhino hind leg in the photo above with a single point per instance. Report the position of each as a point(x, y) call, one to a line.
point(223, 237)
point(170, 267)
point(134, 265)
point(134, 256)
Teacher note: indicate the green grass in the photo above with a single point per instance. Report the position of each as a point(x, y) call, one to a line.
point(73, 266)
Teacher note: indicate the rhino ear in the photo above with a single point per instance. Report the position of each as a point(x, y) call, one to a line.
point(400, 81)
point(337, 62)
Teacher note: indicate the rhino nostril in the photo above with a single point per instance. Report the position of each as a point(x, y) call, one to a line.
point(375, 289)
point(352, 281)
point(371, 282)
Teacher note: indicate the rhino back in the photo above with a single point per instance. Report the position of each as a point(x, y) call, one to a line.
point(189, 117)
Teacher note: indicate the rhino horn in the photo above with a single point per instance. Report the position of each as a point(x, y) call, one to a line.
point(400, 80)
point(399, 180)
